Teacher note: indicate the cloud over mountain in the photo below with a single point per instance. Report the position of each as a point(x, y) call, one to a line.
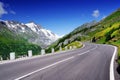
point(96, 13)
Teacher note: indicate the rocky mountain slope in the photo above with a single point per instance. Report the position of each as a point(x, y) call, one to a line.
point(11, 42)
point(19, 38)
point(31, 32)
point(77, 34)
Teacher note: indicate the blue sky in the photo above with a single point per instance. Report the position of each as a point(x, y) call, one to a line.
point(60, 16)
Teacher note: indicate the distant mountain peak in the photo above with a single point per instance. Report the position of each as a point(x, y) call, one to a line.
point(32, 23)
point(33, 26)
point(32, 32)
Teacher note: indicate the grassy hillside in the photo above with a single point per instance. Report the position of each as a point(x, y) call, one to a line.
point(10, 42)
point(62, 42)
point(106, 31)
point(75, 44)
point(110, 35)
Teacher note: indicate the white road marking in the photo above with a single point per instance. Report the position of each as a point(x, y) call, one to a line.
point(111, 74)
point(84, 52)
point(112, 77)
point(87, 51)
point(44, 68)
point(50, 65)
point(111, 64)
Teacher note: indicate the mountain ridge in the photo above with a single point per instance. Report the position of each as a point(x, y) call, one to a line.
point(32, 32)
point(11, 42)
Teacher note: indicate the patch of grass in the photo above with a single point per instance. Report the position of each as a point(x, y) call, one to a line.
point(110, 31)
point(9, 42)
point(76, 43)
point(101, 41)
point(119, 61)
point(115, 33)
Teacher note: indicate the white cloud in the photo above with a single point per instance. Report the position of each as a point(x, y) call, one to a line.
point(96, 13)
point(103, 17)
point(12, 12)
point(2, 10)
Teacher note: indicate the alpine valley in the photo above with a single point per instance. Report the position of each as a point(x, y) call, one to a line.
point(19, 38)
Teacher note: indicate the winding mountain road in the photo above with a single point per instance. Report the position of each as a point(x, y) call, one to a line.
point(92, 62)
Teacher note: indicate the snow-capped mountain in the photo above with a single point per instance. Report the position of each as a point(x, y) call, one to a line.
point(39, 30)
point(32, 32)
point(34, 27)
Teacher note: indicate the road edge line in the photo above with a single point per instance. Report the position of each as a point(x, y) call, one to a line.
point(112, 76)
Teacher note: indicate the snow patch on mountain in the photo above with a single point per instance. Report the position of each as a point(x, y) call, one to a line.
point(38, 29)
point(34, 33)
point(33, 26)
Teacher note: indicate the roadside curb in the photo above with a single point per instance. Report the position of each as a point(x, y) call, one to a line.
point(38, 56)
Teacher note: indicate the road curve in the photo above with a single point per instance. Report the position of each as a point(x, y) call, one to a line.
point(92, 62)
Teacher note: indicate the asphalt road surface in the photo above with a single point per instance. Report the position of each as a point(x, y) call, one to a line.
point(92, 62)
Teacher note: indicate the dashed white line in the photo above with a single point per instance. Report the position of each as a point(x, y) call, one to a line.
point(52, 65)
point(87, 51)
point(84, 52)
point(44, 68)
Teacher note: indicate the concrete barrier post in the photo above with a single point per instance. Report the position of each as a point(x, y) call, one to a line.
point(66, 47)
point(12, 55)
point(42, 52)
point(60, 49)
point(74, 47)
point(53, 50)
point(1, 58)
point(30, 53)
point(70, 47)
